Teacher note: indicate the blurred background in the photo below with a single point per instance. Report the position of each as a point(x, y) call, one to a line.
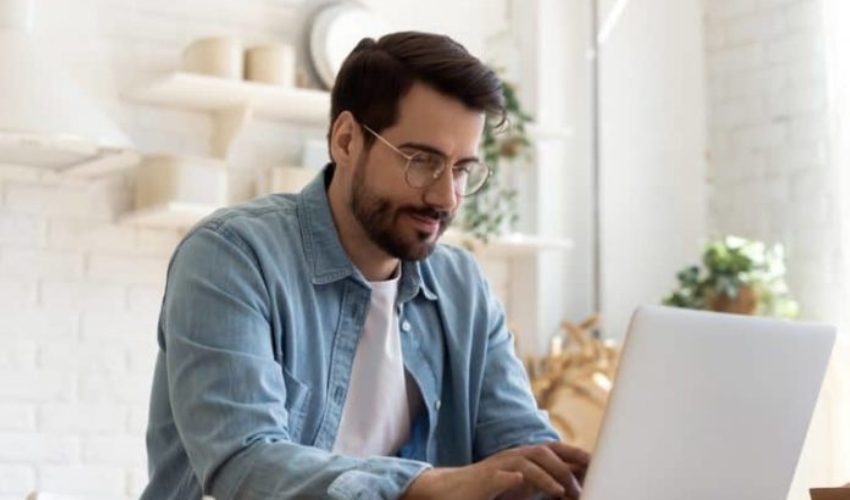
point(650, 129)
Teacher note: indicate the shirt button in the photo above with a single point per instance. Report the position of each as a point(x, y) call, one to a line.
point(405, 326)
point(438, 404)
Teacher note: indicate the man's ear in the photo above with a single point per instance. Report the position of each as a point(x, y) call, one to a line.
point(345, 140)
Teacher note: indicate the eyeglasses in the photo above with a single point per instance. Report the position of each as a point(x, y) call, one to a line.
point(424, 168)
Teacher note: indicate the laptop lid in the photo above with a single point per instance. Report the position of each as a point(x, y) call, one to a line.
point(708, 406)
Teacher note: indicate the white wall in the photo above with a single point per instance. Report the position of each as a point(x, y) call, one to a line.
point(470, 22)
point(550, 69)
point(652, 139)
point(78, 302)
point(574, 192)
point(79, 293)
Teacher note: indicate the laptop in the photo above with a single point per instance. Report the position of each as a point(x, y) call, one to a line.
point(708, 406)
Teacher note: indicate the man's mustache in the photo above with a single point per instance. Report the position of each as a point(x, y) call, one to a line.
point(443, 216)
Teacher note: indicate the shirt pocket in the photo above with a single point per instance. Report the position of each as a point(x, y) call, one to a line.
point(297, 402)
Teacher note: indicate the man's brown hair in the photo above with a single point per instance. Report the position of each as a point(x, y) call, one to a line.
point(378, 73)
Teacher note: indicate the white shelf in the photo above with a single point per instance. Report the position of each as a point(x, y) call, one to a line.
point(508, 246)
point(64, 155)
point(207, 93)
point(172, 215)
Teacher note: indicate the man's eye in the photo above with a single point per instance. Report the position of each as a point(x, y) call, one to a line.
point(426, 160)
point(462, 169)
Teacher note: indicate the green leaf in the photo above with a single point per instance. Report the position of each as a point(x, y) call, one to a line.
point(727, 265)
point(486, 214)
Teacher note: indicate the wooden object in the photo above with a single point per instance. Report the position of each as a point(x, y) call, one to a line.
point(573, 381)
point(830, 493)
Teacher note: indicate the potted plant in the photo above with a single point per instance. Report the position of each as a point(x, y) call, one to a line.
point(492, 210)
point(737, 276)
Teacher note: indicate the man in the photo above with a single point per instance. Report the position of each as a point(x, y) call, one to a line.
point(322, 345)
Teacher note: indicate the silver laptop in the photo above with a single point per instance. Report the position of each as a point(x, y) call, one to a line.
point(708, 406)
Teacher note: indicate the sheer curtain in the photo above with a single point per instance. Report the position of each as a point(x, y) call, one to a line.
point(826, 457)
point(837, 30)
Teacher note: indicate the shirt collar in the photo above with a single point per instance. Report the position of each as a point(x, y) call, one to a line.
point(325, 253)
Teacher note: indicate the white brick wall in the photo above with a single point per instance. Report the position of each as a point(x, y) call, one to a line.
point(80, 294)
point(91, 481)
point(16, 478)
point(767, 121)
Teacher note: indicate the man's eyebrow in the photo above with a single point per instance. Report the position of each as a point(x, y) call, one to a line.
point(431, 149)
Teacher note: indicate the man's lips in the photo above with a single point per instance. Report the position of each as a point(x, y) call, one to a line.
point(426, 223)
point(427, 220)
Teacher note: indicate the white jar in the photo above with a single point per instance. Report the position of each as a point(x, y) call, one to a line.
point(165, 179)
point(272, 64)
point(215, 56)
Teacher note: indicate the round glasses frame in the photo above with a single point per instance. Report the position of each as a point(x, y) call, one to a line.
point(468, 177)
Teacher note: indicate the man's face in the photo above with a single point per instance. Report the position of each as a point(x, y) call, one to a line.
point(405, 221)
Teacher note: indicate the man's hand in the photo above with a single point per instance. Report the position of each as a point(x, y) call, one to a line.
point(553, 469)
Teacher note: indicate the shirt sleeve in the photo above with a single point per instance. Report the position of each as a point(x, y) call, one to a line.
point(228, 393)
point(508, 415)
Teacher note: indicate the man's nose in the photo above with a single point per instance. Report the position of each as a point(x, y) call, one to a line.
point(441, 194)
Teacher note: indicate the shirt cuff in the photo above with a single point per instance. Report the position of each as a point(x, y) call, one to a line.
point(381, 478)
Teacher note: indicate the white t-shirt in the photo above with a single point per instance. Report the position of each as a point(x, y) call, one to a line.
point(376, 415)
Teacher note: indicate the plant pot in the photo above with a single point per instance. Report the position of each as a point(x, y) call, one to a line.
point(745, 303)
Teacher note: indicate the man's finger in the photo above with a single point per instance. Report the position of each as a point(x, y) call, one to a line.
point(579, 471)
point(570, 454)
point(574, 490)
point(560, 470)
point(539, 478)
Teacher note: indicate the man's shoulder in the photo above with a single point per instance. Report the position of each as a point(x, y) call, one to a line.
point(449, 253)
point(270, 209)
point(269, 221)
point(449, 260)
point(257, 220)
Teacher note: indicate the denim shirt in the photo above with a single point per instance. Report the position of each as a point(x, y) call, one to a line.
point(257, 334)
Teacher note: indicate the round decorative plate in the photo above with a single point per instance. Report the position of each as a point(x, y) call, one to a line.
point(336, 30)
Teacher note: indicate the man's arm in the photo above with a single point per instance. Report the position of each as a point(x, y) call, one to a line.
point(228, 393)
point(518, 454)
point(508, 416)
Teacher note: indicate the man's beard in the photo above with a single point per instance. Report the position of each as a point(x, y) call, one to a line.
point(377, 216)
